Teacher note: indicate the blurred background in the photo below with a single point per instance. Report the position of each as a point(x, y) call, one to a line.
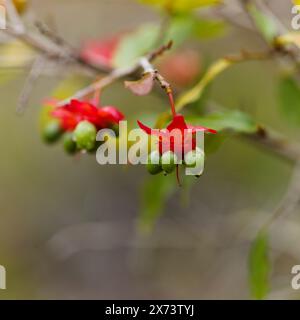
point(68, 226)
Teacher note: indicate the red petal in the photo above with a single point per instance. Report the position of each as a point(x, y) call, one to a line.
point(115, 114)
point(61, 113)
point(67, 119)
point(84, 108)
point(155, 132)
point(144, 128)
point(76, 104)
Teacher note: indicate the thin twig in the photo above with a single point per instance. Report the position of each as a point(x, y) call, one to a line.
point(165, 85)
point(245, 55)
point(267, 11)
point(31, 79)
point(275, 143)
point(48, 47)
point(163, 27)
point(116, 74)
point(14, 16)
point(48, 33)
point(62, 43)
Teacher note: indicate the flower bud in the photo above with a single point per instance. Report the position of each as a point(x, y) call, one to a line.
point(153, 166)
point(85, 135)
point(69, 143)
point(52, 132)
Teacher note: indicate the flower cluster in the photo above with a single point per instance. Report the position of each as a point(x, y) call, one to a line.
point(79, 122)
point(178, 139)
point(176, 144)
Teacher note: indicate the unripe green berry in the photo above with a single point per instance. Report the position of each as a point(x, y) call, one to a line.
point(153, 166)
point(85, 135)
point(69, 143)
point(168, 161)
point(194, 158)
point(52, 132)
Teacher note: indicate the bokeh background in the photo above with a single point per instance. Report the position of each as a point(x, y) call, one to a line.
point(68, 225)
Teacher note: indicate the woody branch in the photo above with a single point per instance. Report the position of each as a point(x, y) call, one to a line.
point(46, 43)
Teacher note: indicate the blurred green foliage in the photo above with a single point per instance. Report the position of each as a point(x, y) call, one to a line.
point(259, 266)
point(289, 99)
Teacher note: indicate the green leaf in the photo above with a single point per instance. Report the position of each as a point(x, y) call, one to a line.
point(234, 120)
point(214, 142)
point(205, 28)
point(185, 26)
point(259, 267)
point(265, 24)
point(289, 99)
point(180, 5)
point(156, 191)
point(180, 29)
point(135, 45)
point(196, 92)
point(144, 39)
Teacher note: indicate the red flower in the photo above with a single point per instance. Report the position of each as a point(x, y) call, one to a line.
point(100, 52)
point(185, 134)
point(76, 111)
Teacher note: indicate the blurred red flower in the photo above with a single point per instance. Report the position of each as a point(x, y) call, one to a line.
point(100, 52)
point(76, 111)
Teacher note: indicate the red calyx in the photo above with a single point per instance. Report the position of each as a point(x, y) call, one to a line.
point(185, 134)
point(76, 111)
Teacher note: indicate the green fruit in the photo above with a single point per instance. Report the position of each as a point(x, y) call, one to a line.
point(85, 135)
point(52, 132)
point(194, 158)
point(153, 165)
point(69, 143)
point(168, 161)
